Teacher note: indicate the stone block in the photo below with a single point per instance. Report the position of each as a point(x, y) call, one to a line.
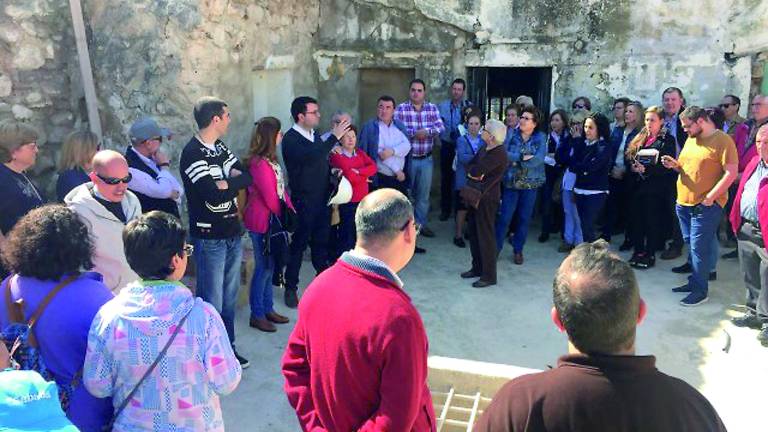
point(6, 86)
point(29, 57)
point(10, 34)
point(20, 112)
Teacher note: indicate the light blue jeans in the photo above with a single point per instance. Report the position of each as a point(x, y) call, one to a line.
point(572, 230)
point(420, 174)
point(699, 225)
point(218, 276)
point(261, 283)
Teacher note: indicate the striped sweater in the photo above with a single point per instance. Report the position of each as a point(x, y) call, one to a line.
point(212, 211)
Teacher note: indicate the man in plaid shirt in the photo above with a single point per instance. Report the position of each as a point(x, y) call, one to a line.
point(422, 124)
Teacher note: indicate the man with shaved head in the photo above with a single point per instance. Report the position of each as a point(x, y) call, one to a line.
point(601, 384)
point(357, 358)
point(106, 205)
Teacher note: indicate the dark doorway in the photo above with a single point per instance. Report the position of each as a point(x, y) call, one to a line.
point(496, 87)
point(378, 82)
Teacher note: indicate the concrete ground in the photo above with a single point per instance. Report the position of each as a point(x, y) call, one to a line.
point(510, 324)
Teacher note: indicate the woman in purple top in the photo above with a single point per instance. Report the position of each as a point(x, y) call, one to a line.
point(46, 246)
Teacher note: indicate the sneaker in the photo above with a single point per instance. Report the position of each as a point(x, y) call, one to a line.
point(645, 261)
point(763, 335)
point(694, 299)
point(682, 289)
point(633, 260)
point(685, 268)
point(291, 298)
point(458, 241)
point(671, 253)
point(749, 320)
point(712, 276)
point(734, 254)
point(244, 363)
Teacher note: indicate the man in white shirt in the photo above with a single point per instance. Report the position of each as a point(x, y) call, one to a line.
point(384, 140)
point(152, 181)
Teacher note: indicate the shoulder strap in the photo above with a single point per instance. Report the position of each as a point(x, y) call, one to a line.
point(47, 300)
point(151, 367)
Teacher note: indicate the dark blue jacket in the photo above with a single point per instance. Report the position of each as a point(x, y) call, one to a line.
point(591, 164)
point(616, 136)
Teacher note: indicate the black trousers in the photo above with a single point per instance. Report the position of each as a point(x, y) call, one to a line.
point(552, 217)
point(481, 224)
point(313, 229)
point(647, 209)
point(615, 213)
point(391, 182)
point(589, 208)
point(732, 190)
point(754, 265)
point(671, 217)
point(447, 175)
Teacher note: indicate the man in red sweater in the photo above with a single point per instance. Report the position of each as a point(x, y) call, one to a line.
point(357, 358)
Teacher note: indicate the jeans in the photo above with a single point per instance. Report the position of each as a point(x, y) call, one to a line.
point(420, 173)
point(589, 207)
point(313, 228)
point(447, 153)
point(522, 201)
point(347, 231)
point(218, 276)
point(698, 225)
point(261, 282)
point(572, 230)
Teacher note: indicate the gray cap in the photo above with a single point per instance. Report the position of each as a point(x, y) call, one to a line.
point(147, 128)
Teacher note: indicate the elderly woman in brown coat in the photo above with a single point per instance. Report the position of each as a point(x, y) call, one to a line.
point(484, 174)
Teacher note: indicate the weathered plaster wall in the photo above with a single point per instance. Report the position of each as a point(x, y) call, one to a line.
point(158, 57)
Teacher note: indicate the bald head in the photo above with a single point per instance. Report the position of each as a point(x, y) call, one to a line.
point(108, 167)
point(597, 299)
point(381, 215)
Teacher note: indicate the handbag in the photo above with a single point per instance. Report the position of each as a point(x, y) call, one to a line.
point(289, 217)
point(108, 427)
point(471, 193)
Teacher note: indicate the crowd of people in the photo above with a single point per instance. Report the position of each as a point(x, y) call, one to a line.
point(141, 352)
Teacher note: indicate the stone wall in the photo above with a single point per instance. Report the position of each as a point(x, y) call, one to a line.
point(38, 84)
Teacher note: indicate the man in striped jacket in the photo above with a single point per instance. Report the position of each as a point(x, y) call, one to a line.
point(212, 176)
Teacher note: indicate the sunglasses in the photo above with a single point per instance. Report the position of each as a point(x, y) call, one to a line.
point(114, 180)
point(725, 105)
point(188, 249)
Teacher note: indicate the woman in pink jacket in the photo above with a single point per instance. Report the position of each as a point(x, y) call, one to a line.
point(267, 199)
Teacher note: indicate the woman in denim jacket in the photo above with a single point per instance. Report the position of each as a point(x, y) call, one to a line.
point(526, 151)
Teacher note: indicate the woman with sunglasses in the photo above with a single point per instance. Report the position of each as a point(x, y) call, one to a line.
point(157, 321)
point(107, 206)
point(484, 173)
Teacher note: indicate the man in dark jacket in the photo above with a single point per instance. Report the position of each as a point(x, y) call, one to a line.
point(600, 385)
point(674, 103)
point(306, 160)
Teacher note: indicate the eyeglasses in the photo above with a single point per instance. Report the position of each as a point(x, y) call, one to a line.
point(757, 104)
point(725, 105)
point(416, 226)
point(157, 139)
point(416, 90)
point(315, 112)
point(188, 249)
point(579, 106)
point(526, 118)
point(114, 180)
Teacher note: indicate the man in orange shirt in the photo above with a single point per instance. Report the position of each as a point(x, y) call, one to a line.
point(708, 164)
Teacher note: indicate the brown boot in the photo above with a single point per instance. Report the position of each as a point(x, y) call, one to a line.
point(277, 318)
point(263, 324)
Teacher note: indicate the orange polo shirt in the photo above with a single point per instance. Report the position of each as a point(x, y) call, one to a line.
point(703, 162)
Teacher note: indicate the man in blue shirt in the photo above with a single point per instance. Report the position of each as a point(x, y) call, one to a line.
point(451, 113)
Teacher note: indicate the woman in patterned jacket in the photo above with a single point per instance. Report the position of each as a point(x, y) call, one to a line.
point(129, 333)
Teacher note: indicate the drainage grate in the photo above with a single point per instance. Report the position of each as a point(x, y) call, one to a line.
point(458, 412)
